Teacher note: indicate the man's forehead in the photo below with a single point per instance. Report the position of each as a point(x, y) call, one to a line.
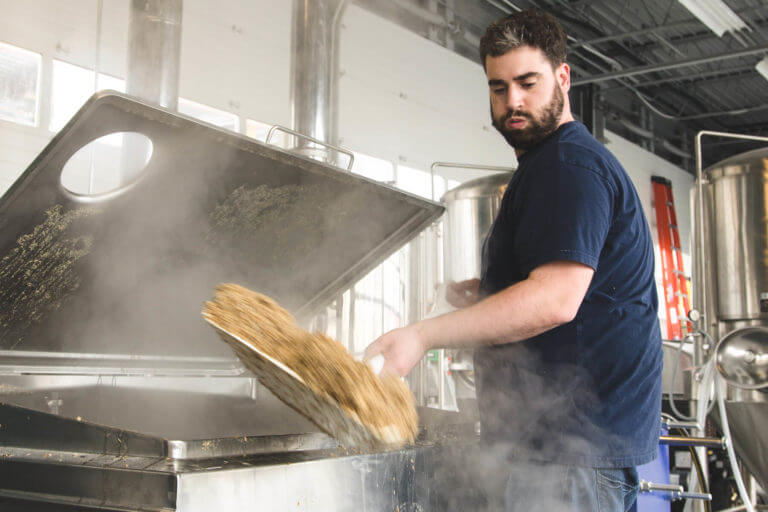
point(517, 63)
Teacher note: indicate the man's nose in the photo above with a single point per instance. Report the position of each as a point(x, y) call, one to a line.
point(514, 98)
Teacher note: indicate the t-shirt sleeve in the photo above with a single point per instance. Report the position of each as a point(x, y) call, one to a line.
point(565, 215)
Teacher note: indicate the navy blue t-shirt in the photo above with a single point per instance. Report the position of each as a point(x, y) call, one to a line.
point(587, 392)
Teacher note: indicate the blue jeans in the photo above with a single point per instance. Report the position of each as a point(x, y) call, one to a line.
point(534, 486)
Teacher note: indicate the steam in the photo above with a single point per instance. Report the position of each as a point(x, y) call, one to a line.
point(546, 400)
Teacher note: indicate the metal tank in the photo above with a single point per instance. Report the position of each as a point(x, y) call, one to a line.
point(730, 285)
point(470, 211)
point(731, 265)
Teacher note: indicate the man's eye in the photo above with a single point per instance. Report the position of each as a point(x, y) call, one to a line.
point(499, 90)
point(528, 85)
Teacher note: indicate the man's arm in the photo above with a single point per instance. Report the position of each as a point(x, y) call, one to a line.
point(551, 296)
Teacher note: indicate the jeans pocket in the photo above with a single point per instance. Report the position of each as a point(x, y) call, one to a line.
point(624, 479)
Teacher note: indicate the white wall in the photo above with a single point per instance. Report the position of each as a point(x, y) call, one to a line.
point(402, 98)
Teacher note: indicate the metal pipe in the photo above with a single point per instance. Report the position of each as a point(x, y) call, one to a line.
point(652, 68)
point(453, 165)
point(705, 496)
point(707, 442)
point(425, 14)
point(693, 78)
point(680, 424)
point(314, 68)
point(677, 492)
point(650, 486)
point(154, 51)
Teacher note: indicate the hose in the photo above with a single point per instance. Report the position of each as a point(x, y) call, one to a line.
point(675, 365)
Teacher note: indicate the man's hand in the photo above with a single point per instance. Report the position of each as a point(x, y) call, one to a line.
point(402, 349)
point(463, 293)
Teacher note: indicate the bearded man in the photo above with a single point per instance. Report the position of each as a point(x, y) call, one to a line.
point(568, 360)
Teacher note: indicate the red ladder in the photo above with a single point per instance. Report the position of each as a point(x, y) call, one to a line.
point(676, 290)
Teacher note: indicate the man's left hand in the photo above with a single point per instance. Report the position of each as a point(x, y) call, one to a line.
point(402, 349)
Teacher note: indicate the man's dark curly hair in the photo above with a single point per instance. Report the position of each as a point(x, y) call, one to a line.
point(526, 28)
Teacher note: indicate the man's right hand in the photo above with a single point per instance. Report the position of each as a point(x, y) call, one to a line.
point(463, 293)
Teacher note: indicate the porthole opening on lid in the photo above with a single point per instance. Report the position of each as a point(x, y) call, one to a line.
point(107, 164)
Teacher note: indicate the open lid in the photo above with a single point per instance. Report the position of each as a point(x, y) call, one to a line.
point(126, 272)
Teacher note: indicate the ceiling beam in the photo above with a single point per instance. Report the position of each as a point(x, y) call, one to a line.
point(652, 68)
point(692, 78)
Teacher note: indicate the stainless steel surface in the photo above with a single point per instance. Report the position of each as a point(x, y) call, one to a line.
point(740, 226)
point(747, 424)
point(348, 153)
point(704, 226)
point(314, 72)
point(704, 496)
point(154, 51)
point(470, 211)
point(729, 250)
point(19, 362)
point(650, 486)
point(62, 460)
point(158, 249)
point(413, 479)
point(742, 358)
point(679, 424)
point(709, 442)
point(676, 492)
point(680, 373)
point(456, 165)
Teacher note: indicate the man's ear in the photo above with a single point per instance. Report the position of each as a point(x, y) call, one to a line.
point(563, 74)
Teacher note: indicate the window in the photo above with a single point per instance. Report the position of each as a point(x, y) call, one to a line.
point(209, 115)
point(19, 80)
point(71, 87)
point(374, 168)
point(414, 181)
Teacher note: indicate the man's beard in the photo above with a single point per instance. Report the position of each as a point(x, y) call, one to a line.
point(538, 127)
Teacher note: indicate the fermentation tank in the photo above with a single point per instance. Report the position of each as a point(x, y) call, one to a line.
point(737, 280)
point(730, 286)
point(470, 211)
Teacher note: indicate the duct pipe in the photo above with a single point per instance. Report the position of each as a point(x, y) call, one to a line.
point(314, 72)
point(154, 57)
point(154, 51)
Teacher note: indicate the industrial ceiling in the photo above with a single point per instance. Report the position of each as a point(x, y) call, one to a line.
point(658, 72)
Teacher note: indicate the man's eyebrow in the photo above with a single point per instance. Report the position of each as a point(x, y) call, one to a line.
point(526, 76)
point(495, 82)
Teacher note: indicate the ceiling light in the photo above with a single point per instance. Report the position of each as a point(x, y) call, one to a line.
point(715, 14)
point(762, 68)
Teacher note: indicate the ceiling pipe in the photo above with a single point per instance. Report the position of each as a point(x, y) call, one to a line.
point(652, 68)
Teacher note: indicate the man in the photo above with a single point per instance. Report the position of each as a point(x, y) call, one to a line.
point(568, 357)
